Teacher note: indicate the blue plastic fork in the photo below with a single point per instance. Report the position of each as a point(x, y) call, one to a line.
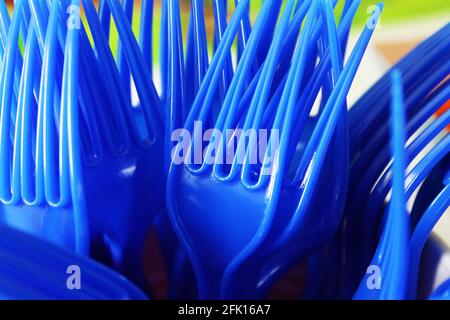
point(369, 161)
point(278, 267)
point(208, 285)
point(209, 279)
point(283, 243)
point(391, 257)
point(112, 186)
point(415, 177)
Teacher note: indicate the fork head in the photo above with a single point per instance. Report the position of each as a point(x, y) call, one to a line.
point(314, 213)
point(215, 231)
point(80, 162)
point(220, 234)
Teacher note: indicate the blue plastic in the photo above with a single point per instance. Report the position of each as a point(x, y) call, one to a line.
point(370, 159)
point(442, 292)
point(418, 67)
point(85, 175)
point(300, 227)
point(209, 284)
point(414, 178)
point(300, 12)
point(423, 230)
point(391, 256)
point(34, 269)
point(374, 186)
point(208, 243)
point(82, 165)
point(372, 174)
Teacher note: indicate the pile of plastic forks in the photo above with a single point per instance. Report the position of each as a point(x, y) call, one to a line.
point(224, 156)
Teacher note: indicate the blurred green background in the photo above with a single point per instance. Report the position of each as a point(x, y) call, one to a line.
point(398, 10)
point(394, 11)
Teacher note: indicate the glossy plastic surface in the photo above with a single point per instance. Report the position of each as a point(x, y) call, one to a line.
point(390, 261)
point(34, 269)
point(87, 165)
point(243, 224)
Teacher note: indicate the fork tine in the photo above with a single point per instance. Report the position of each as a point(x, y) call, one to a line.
point(269, 30)
point(25, 18)
point(347, 6)
point(145, 32)
point(40, 18)
point(283, 117)
point(333, 51)
point(244, 33)
point(307, 156)
point(394, 239)
point(148, 96)
point(89, 100)
point(163, 51)
point(333, 39)
point(313, 54)
point(255, 114)
point(206, 92)
point(326, 128)
point(196, 50)
point(31, 175)
point(312, 88)
point(5, 24)
point(41, 14)
point(288, 47)
point(71, 151)
point(124, 70)
point(220, 25)
point(54, 179)
point(397, 216)
point(290, 42)
point(7, 183)
point(94, 97)
point(227, 116)
point(105, 17)
point(175, 100)
point(202, 103)
point(119, 110)
point(93, 94)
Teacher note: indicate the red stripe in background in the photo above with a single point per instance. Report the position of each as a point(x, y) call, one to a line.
point(443, 110)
